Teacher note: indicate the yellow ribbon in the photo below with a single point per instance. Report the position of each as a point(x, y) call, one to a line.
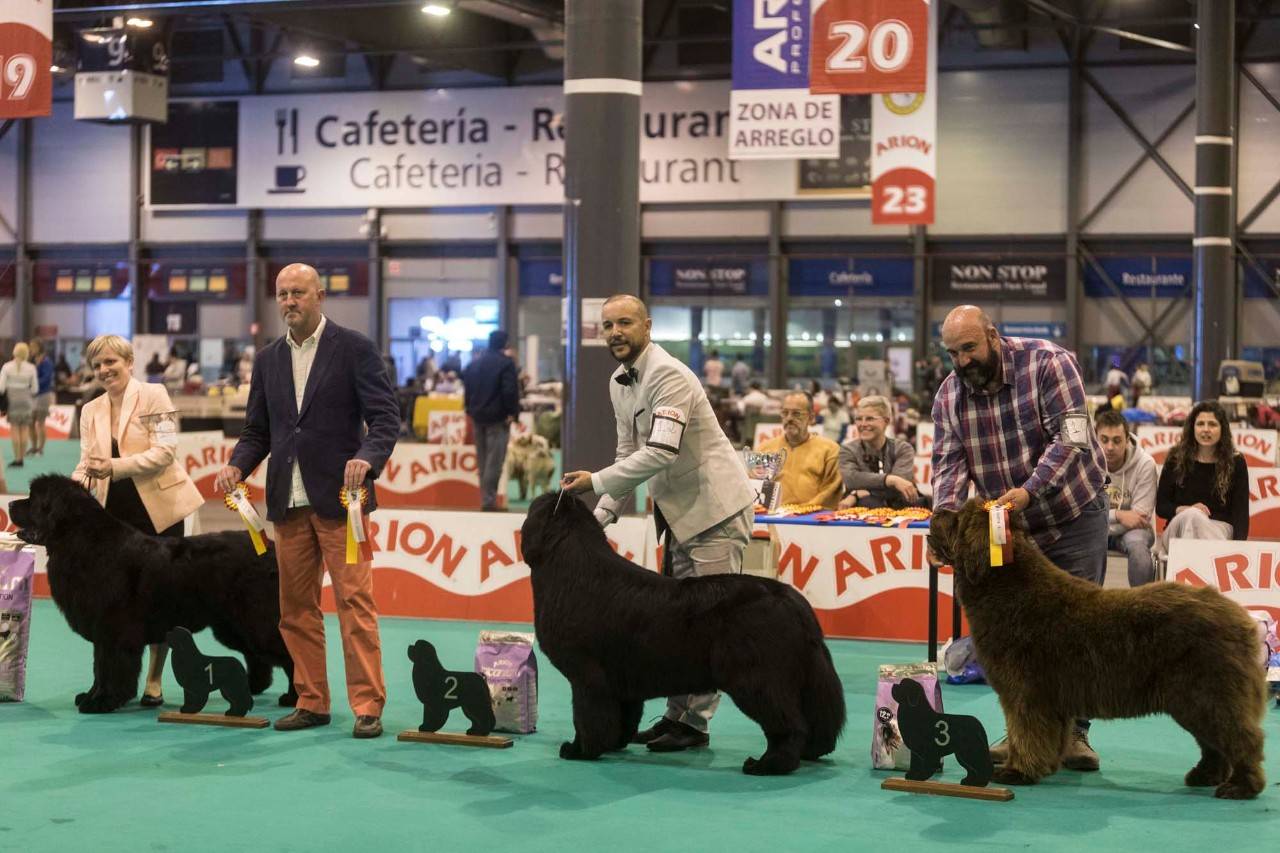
point(353, 500)
point(237, 500)
point(998, 530)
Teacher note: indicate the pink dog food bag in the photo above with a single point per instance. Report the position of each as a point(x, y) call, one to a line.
point(17, 568)
point(509, 666)
point(888, 752)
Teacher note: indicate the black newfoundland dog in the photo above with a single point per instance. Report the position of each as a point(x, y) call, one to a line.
point(622, 634)
point(121, 589)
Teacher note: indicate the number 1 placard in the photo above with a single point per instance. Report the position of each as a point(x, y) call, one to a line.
point(868, 46)
point(26, 55)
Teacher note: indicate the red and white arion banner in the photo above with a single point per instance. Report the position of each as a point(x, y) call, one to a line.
point(56, 426)
point(1257, 446)
point(26, 56)
point(904, 146)
point(1246, 572)
point(863, 46)
point(1264, 503)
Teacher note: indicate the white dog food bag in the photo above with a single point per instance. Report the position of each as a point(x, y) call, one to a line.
point(17, 569)
point(510, 668)
point(888, 752)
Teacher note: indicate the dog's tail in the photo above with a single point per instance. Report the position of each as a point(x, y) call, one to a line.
point(822, 702)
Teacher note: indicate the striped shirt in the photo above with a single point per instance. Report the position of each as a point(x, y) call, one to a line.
point(1032, 432)
point(303, 355)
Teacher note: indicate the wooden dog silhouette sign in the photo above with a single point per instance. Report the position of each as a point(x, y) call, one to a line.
point(931, 736)
point(441, 691)
point(200, 675)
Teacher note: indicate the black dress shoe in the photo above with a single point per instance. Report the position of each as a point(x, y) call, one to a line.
point(149, 701)
point(367, 726)
point(679, 737)
point(654, 732)
point(301, 719)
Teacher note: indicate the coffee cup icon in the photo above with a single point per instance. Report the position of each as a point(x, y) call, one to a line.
point(288, 177)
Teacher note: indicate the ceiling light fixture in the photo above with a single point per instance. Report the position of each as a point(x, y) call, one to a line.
point(305, 60)
point(140, 23)
point(436, 10)
point(55, 69)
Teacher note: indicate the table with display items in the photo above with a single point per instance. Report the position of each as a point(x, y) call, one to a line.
point(864, 580)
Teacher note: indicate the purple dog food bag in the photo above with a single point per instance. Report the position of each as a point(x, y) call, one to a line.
point(509, 666)
point(17, 567)
point(888, 752)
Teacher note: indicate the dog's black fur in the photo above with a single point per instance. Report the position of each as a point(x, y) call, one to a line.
point(201, 674)
point(122, 590)
point(440, 691)
point(622, 634)
point(931, 736)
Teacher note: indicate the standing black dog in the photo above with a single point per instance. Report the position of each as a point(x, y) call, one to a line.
point(122, 590)
point(440, 691)
point(622, 634)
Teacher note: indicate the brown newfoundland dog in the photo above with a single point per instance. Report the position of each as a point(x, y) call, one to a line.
point(1056, 648)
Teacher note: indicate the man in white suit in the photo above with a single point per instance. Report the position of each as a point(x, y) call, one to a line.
point(668, 435)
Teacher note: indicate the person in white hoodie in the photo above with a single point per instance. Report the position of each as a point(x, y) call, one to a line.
point(1131, 490)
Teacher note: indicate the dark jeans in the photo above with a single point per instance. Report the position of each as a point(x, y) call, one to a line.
point(1081, 550)
point(491, 452)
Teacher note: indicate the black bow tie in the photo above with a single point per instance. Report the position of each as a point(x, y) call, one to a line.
point(628, 377)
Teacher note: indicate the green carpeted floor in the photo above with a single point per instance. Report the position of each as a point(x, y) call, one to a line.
point(124, 782)
point(59, 457)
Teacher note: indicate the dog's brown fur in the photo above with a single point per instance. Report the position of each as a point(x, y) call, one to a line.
point(1056, 648)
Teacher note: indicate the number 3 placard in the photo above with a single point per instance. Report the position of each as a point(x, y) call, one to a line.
point(866, 46)
point(26, 53)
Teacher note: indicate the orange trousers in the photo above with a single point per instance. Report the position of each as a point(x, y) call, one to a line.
point(306, 546)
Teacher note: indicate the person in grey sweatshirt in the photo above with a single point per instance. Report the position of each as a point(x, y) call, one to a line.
point(1131, 490)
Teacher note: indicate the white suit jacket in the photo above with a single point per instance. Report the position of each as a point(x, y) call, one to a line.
point(162, 482)
point(668, 435)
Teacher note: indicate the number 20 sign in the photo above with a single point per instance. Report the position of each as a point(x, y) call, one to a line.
point(26, 52)
point(865, 46)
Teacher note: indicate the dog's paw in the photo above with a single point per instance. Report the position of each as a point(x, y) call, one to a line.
point(569, 751)
point(1200, 777)
point(1011, 776)
point(1236, 791)
point(80, 697)
point(99, 704)
point(768, 765)
point(288, 700)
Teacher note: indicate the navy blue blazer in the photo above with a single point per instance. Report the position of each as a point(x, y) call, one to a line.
point(347, 389)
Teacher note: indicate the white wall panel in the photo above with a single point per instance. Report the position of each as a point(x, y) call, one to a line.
point(1259, 147)
point(1002, 152)
point(537, 224)
point(79, 180)
point(223, 321)
point(449, 277)
point(284, 225)
point(700, 223)
point(451, 225)
point(9, 185)
point(229, 226)
point(802, 219)
point(68, 317)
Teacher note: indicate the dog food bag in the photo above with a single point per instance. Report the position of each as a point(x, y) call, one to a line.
point(17, 569)
point(510, 668)
point(1267, 641)
point(888, 752)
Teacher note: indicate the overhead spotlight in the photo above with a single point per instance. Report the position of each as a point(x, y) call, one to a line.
point(140, 23)
point(306, 60)
point(436, 10)
point(55, 69)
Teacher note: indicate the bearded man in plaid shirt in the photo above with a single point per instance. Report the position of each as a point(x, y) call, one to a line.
point(1011, 419)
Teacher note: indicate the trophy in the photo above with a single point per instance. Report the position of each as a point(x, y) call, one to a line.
point(762, 473)
point(162, 428)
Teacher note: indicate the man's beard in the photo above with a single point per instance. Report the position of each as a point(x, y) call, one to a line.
point(981, 374)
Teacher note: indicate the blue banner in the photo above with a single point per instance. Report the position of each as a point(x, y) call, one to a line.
point(708, 277)
point(1046, 331)
point(845, 277)
point(541, 278)
point(771, 44)
point(1145, 276)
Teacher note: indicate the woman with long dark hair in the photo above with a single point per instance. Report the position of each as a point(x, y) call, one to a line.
point(1204, 487)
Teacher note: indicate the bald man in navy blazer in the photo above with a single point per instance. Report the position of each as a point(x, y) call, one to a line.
point(321, 404)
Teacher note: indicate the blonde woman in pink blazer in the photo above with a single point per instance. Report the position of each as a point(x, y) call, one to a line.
point(128, 447)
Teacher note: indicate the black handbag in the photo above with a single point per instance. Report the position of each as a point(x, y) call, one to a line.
point(4, 402)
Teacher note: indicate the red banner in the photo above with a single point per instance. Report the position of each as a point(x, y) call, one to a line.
point(26, 55)
point(864, 46)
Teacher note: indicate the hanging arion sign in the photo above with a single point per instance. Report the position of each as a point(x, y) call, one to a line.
point(865, 46)
point(26, 56)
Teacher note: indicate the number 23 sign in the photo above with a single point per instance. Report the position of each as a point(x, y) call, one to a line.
point(866, 46)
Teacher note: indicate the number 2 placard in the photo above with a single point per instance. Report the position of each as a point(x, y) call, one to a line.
point(865, 46)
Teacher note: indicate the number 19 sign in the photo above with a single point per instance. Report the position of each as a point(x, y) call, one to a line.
point(26, 54)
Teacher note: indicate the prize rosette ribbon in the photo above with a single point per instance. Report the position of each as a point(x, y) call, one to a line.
point(358, 547)
point(237, 500)
point(998, 527)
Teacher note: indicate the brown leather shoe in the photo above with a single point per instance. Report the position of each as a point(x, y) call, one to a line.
point(657, 730)
point(1079, 755)
point(301, 719)
point(367, 726)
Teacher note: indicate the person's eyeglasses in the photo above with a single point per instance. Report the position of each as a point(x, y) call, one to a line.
point(794, 413)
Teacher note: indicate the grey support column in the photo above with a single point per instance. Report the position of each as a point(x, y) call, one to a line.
point(377, 333)
point(776, 374)
point(1214, 230)
point(139, 303)
point(23, 288)
point(923, 344)
point(1075, 180)
point(254, 286)
point(508, 285)
point(601, 206)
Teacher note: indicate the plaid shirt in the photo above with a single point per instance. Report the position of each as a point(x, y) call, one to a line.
point(1013, 437)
